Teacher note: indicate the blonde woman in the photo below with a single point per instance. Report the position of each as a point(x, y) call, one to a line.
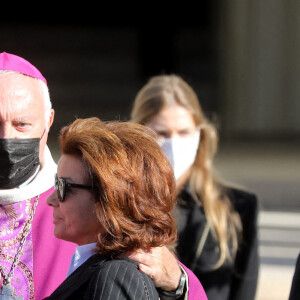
point(217, 224)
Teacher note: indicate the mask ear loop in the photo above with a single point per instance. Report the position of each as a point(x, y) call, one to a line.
point(199, 127)
point(43, 134)
point(160, 141)
point(198, 132)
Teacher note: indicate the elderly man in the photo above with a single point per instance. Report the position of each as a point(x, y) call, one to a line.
point(32, 261)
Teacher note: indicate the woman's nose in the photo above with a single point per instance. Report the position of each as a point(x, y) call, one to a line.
point(52, 200)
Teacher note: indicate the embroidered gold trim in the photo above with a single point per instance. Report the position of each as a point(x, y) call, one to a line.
point(13, 241)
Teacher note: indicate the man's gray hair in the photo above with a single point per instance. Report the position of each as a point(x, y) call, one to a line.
point(47, 102)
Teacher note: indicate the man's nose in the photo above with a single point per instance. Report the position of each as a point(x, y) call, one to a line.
point(6, 132)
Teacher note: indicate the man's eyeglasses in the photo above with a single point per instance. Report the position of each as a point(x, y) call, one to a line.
point(61, 187)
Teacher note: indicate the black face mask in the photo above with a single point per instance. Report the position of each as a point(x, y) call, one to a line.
point(19, 159)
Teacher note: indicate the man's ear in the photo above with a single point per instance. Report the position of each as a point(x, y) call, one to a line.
point(51, 118)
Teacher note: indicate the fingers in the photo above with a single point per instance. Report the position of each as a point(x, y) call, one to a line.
point(149, 271)
point(160, 264)
point(141, 257)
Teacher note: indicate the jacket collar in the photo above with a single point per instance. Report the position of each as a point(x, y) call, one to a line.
point(79, 277)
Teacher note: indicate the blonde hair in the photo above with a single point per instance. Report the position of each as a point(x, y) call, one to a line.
point(166, 90)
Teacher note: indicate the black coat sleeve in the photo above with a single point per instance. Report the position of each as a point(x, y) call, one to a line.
point(244, 281)
point(121, 280)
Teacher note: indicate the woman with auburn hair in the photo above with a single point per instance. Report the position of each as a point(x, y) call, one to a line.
point(114, 193)
point(217, 223)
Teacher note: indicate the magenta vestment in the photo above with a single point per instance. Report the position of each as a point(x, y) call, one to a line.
point(44, 260)
point(51, 256)
point(196, 291)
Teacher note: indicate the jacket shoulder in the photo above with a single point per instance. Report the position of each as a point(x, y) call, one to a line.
point(240, 197)
point(120, 279)
point(246, 204)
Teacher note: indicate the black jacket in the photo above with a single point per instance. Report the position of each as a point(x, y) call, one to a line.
point(232, 281)
point(295, 289)
point(100, 278)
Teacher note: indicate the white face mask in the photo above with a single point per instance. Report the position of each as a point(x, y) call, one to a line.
point(181, 152)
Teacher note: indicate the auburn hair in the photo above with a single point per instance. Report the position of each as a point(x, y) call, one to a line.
point(133, 181)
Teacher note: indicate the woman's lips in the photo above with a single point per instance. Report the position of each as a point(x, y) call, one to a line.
point(56, 220)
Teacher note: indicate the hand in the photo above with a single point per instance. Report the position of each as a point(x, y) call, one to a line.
point(160, 264)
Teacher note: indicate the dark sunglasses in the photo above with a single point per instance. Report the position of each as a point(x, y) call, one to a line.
point(61, 187)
